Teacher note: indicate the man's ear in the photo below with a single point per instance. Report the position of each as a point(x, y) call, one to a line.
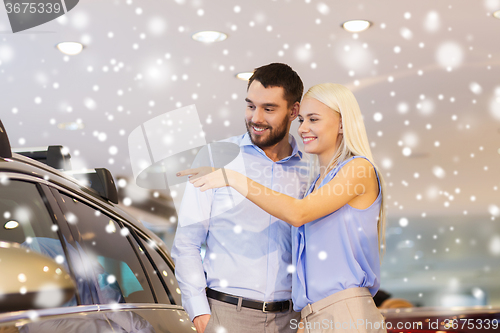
point(294, 111)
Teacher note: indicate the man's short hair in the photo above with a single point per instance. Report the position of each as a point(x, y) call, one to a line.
point(280, 75)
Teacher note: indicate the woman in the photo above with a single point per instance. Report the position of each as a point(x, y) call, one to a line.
point(338, 225)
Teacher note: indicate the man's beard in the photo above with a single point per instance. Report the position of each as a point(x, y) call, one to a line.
point(274, 136)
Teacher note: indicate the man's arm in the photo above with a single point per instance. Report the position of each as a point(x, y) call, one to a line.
point(192, 230)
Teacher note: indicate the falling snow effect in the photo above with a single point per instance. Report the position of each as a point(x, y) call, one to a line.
point(353, 55)
point(49, 296)
point(475, 88)
point(406, 33)
point(495, 104)
point(126, 64)
point(410, 139)
point(450, 55)
point(432, 21)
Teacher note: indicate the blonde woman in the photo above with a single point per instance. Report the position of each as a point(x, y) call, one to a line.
point(338, 225)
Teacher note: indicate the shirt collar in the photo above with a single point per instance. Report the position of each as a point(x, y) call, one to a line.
point(246, 141)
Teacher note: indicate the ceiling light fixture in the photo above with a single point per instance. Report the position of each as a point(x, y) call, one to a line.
point(11, 225)
point(209, 36)
point(497, 14)
point(245, 76)
point(356, 25)
point(71, 126)
point(70, 48)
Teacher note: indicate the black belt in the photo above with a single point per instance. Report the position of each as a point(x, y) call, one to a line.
point(246, 303)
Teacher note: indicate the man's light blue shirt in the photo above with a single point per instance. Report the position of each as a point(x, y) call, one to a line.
point(248, 251)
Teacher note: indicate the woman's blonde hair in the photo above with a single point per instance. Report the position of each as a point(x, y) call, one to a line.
point(354, 141)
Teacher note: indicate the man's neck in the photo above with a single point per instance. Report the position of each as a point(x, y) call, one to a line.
point(279, 151)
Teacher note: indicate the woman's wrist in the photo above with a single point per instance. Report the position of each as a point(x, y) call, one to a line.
point(233, 178)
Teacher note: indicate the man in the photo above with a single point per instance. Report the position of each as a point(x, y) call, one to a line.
point(247, 264)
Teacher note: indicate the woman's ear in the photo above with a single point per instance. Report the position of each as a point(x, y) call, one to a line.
point(341, 130)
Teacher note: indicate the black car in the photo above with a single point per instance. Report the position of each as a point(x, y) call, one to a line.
point(71, 260)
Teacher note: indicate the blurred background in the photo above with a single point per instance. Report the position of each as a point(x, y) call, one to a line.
point(425, 74)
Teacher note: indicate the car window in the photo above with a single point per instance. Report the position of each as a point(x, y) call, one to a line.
point(151, 266)
point(26, 221)
point(164, 270)
point(118, 274)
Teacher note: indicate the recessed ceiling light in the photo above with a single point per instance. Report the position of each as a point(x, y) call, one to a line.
point(497, 14)
point(209, 36)
point(11, 225)
point(245, 76)
point(72, 126)
point(70, 48)
point(356, 25)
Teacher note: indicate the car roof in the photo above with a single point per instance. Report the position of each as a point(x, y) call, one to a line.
point(24, 165)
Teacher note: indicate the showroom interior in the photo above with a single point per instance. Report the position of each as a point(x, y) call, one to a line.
point(425, 75)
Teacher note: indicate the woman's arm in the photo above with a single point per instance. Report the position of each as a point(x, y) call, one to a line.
point(355, 178)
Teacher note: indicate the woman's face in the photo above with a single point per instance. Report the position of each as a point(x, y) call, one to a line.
point(319, 127)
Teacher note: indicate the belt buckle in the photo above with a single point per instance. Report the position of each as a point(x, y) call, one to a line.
point(264, 307)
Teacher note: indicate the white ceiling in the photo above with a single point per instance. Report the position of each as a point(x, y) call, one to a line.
point(463, 37)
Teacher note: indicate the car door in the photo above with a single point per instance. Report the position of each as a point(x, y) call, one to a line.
point(124, 279)
point(28, 220)
point(162, 265)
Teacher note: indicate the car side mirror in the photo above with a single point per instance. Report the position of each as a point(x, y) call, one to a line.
point(30, 280)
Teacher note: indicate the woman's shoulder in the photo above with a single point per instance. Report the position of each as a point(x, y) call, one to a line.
point(357, 161)
point(356, 167)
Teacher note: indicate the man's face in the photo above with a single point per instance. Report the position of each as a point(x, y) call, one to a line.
point(267, 115)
